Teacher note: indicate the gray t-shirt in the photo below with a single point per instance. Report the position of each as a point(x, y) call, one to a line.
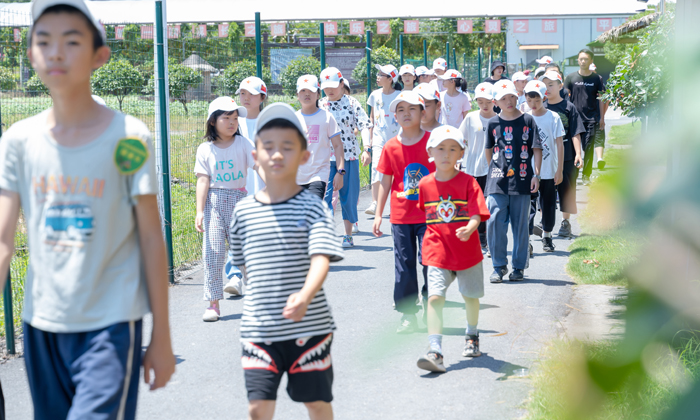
point(85, 268)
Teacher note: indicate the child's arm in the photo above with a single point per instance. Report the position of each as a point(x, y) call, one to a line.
point(535, 183)
point(578, 161)
point(159, 355)
point(384, 190)
point(559, 176)
point(465, 232)
point(339, 162)
point(202, 193)
point(366, 157)
point(9, 215)
point(297, 303)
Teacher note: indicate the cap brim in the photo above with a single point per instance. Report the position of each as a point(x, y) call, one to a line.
point(282, 111)
point(39, 7)
point(311, 88)
point(500, 95)
point(330, 84)
point(253, 91)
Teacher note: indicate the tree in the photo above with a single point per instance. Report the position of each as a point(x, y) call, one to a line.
point(181, 78)
point(381, 55)
point(8, 81)
point(117, 78)
point(297, 68)
point(236, 72)
point(35, 86)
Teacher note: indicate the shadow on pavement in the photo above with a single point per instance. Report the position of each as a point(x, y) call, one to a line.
point(349, 268)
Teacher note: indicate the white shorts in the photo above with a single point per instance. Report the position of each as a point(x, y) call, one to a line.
point(376, 154)
point(471, 281)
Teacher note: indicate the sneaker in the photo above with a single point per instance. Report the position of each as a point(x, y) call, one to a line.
point(347, 241)
point(537, 230)
point(601, 164)
point(531, 250)
point(485, 250)
point(372, 208)
point(471, 347)
point(211, 314)
point(234, 286)
point(408, 324)
point(497, 275)
point(547, 245)
point(517, 275)
point(565, 229)
point(586, 180)
point(432, 362)
point(355, 228)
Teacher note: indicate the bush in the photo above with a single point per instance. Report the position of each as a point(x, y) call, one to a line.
point(117, 78)
point(381, 55)
point(35, 86)
point(235, 73)
point(297, 68)
point(8, 81)
point(181, 78)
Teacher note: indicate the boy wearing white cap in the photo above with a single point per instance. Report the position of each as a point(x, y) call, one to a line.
point(424, 75)
point(511, 143)
point(404, 163)
point(454, 207)
point(455, 99)
point(520, 80)
point(84, 177)
point(544, 60)
point(384, 126)
point(473, 128)
point(432, 106)
point(252, 92)
point(323, 134)
point(551, 133)
point(295, 339)
point(439, 68)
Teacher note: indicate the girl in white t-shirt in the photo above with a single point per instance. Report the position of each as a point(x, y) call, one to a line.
point(384, 127)
point(221, 166)
point(252, 94)
point(455, 99)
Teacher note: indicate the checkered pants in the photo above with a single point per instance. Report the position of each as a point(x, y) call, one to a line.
point(218, 212)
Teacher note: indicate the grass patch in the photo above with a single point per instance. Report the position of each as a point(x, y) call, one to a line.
point(624, 134)
point(602, 259)
point(616, 158)
point(557, 380)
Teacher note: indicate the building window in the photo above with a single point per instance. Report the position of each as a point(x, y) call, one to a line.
point(533, 55)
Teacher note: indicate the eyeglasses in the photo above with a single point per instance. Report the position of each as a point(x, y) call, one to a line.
point(383, 75)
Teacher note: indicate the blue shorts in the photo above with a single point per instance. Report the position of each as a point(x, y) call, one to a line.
point(89, 375)
point(350, 192)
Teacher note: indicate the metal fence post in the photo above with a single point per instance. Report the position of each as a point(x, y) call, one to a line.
point(163, 127)
point(9, 318)
point(447, 53)
point(425, 53)
point(258, 45)
point(401, 48)
point(479, 64)
point(454, 58)
point(322, 44)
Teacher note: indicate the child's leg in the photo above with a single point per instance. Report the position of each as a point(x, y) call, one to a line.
point(472, 306)
point(406, 277)
point(329, 187)
point(214, 247)
point(533, 212)
point(519, 212)
point(261, 409)
point(439, 279)
point(420, 232)
point(567, 189)
point(349, 194)
point(376, 176)
point(548, 204)
point(497, 228)
point(481, 180)
point(320, 410)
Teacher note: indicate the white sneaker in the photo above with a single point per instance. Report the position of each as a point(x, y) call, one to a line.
point(355, 228)
point(372, 208)
point(211, 314)
point(234, 286)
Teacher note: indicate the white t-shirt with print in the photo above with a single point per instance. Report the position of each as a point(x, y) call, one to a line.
point(385, 125)
point(320, 129)
point(452, 107)
point(248, 127)
point(550, 127)
point(227, 168)
point(349, 115)
point(473, 129)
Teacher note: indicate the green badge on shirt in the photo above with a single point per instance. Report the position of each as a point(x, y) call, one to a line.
point(130, 155)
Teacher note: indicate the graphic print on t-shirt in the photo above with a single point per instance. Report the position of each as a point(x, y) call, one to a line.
point(411, 177)
point(313, 132)
point(69, 224)
point(544, 138)
point(446, 211)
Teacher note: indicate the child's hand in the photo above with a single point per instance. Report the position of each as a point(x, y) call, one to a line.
point(198, 222)
point(578, 161)
point(296, 307)
point(464, 233)
point(534, 185)
point(337, 182)
point(558, 178)
point(159, 357)
point(376, 225)
point(366, 158)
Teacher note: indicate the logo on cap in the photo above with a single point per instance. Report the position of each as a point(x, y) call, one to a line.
point(504, 86)
point(339, 74)
point(393, 74)
point(483, 89)
point(263, 89)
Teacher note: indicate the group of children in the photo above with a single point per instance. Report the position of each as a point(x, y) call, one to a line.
point(84, 175)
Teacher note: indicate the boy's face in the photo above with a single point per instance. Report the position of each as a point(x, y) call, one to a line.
point(409, 116)
point(62, 51)
point(584, 61)
point(446, 154)
point(431, 108)
point(334, 94)
point(425, 78)
point(553, 88)
point(307, 97)
point(498, 71)
point(484, 104)
point(520, 85)
point(279, 154)
point(250, 101)
point(534, 103)
point(507, 103)
point(227, 125)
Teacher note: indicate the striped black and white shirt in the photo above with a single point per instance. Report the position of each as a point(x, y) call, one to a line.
point(275, 242)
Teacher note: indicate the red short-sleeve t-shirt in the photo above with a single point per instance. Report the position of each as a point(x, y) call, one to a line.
point(448, 206)
point(408, 165)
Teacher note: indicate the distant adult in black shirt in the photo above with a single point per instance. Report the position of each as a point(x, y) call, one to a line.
point(585, 87)
point(497, 70)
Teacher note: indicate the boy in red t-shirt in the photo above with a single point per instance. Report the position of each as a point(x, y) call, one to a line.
point(454, 207)
point(404, 162)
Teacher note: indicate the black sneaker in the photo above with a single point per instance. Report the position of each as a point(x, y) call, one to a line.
point(471, 348)
point(517, 275)
point(537, 230)
point(408, 324)
point(565, 229)
point(497, 275)
point(601, 165)
point(432, 362)
point(547, 244)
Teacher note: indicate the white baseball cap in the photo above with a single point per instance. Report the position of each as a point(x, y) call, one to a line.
point(484, 90)
point(407, 68)
point(440, 63)
point(445, 132)
point(545, 60)
point(553, 75)
point(503, 88)
point(538, 73)
point(330, 78)
point(409, 96)
point(40, 6)
point(346, 82)
point(226, 104)
point(536, 86)
point(99, 100)
point(427, 91)
point(253, 85)
point(592, 67)
point(308, 81)
point(423, 71)
point(389, 70)
point(518, 76)
point(451, 74)
point(283, 111)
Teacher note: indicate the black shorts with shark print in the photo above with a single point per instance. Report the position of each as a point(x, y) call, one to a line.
point(307, 362)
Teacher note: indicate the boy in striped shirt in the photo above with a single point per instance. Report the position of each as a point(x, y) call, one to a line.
point(283, 239)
